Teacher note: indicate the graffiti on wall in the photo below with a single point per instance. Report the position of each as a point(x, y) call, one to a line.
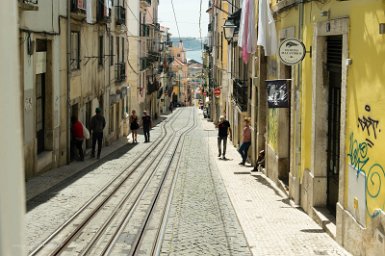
point(369, 124)
point(360, 156)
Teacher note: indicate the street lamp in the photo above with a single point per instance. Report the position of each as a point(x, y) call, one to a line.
point(229, 29)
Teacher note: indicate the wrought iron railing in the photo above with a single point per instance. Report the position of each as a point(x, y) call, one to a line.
point(147, 1)
point(144, 30)
point(240, 94)
point(120, 15)
point(144, 63)
point(120, 72)
point(103, 12)
point(79, 6)
point(30, 1)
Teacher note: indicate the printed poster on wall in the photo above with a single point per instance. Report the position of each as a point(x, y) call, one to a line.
point(278, 93)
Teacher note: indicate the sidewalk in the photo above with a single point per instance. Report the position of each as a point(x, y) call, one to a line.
point(272, 224)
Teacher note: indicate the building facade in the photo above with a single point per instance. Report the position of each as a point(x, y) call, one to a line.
point(324, 148)
point(79, 55)
point(43, 80)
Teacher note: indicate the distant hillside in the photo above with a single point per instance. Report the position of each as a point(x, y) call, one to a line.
point(189, 43)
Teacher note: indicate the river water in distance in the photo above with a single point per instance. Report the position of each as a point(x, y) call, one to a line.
point(194, 55)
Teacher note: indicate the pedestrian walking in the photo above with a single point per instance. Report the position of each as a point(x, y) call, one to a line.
point(146, 124)
point(246, 140)
point(97, 125)
point(171, 107)
point(224, 130)
point(134, 126)
point(77, 138)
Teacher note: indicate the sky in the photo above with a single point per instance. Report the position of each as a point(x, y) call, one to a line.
point(187, 17)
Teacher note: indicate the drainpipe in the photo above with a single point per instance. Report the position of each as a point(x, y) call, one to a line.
point(297, 196)
point(68, 81)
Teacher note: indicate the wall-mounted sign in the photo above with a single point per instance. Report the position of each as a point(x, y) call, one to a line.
point(278, 93)
point(291, 51)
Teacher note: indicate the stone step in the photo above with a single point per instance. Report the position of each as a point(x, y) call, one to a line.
point(326, 220)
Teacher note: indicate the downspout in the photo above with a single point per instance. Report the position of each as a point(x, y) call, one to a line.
point(297, 197)
point(68, 81)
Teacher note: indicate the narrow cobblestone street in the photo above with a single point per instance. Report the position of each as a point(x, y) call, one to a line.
point(218, 207)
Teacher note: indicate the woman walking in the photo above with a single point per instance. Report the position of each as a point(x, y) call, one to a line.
point(134, 126)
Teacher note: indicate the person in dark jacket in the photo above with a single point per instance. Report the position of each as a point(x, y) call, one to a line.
point(97, 125)
point(146, 124)
point(77, 137)
point(224, 130)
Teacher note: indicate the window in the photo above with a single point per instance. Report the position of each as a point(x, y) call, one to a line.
point(122, 49)
point(101, 51)
point(117, 49)
point(111, 50)
point(75, 50)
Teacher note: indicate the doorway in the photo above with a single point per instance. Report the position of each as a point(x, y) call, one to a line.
point(40, 111)
point(334, 74)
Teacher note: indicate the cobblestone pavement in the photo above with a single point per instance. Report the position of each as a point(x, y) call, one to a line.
point(219, 208)
point(202, 220)
point(56, 195)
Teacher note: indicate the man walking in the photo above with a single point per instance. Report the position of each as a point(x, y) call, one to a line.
point(223, 131)
point(97, 125)
point(146, 124)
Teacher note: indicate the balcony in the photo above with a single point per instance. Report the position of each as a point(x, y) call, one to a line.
point(144, 63)
point(78, 8)
point(145, 3)
point(152, 87)
point(157, 26)
point(103, 14)
point(240, 94)
point(153, 56)
point(209, 27)
point(120, 15)
point(29, 5)
point(170, 59)
point(120, 72)
point(144, 30)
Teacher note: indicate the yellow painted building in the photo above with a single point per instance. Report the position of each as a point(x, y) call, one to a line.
point(335, 135)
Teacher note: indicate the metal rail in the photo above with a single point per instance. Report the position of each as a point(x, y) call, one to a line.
point(123, 176)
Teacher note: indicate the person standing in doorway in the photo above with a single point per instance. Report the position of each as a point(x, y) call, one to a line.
point(224, 130)
point(97, 125)
point(77, 137)
point(146, 124)
point(134, 126)
point(246, 140)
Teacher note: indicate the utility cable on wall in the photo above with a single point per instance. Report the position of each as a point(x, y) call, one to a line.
point(176, 22)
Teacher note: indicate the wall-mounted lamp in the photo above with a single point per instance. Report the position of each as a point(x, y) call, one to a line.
point(382, 28)
point(229, 29)
point(235, 37)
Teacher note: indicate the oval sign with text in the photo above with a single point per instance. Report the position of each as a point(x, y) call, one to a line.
point(291, 51)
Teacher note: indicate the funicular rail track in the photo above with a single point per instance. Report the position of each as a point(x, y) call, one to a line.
point(115, 203)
